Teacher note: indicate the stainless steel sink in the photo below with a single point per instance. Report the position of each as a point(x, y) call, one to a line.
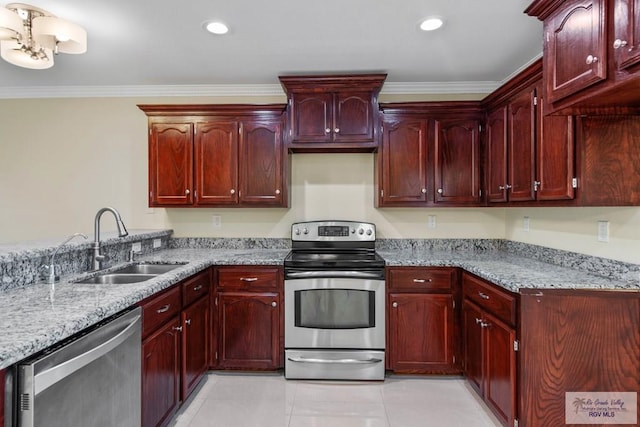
point(117, 279)
point(147, 269)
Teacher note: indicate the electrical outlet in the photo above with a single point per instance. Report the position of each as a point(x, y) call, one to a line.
point(526, 223)
point(136, 247)
point(603, 231)
point(431, 221)
point(157, 243)
point(216, 221)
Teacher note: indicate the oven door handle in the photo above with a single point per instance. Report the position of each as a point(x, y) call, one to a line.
point(334, 274)
point(337, 361)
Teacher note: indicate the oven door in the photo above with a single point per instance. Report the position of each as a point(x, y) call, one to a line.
point(334, 313)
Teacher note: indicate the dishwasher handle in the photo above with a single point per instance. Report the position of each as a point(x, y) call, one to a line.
point(49, 377)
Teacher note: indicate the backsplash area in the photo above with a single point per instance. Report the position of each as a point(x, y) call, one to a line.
point(20, 264)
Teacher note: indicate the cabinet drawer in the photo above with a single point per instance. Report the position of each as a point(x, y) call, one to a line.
point(490, 298)
point(248, 277)
point(420, 278)
point(160, 309)
point(195, 287)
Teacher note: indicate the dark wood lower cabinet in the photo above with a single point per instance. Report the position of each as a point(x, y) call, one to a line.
point(195, 344)
point(161, 375)
point(248, 330)
point(576, 341)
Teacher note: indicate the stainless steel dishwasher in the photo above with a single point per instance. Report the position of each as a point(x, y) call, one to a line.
point(92, 381)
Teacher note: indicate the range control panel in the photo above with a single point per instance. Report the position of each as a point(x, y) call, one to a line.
point(334, 231)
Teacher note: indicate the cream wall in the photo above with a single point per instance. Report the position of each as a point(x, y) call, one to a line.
point(63, 159)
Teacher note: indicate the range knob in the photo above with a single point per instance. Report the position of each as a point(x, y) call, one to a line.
point(361, 231)
point(369, 232)
point(296, 231)
point(353, 230)
point(305, 230)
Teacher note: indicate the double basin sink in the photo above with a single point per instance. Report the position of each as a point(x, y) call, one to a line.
point(131, 274)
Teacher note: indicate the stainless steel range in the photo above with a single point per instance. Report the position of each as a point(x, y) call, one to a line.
point(334, 302)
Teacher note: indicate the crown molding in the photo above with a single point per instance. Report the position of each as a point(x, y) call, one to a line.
point(409, 88)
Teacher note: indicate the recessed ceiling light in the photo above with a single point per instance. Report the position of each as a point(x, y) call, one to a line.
point(216, 28)
point(431, 24)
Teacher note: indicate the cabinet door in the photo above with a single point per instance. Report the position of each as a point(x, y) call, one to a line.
point(472, 345)
point(217, 163)
point(421, 332)
point(627, 33)
point(311, 117)
point(404, 162)
point(195, 344)
point(457, 163)
point(575, 52)
point(248, 330)
point(2, 375)
point(170, 164)
point(555, 156)
point(353, 117)
point(161, 375)
point(500, 368)
point(261, 168)
point(496, 166)
point(522, 119)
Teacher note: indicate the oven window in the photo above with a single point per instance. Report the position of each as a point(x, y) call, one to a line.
point(335, 308)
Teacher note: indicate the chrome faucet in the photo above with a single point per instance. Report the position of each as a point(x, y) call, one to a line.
point(49, 270)
point(98, 258)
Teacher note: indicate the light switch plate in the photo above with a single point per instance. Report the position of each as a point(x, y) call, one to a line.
point(157, 243)
point(431, 221)
point(216, 221)
point(526, 223)
point(603, 231)
point(136, 247)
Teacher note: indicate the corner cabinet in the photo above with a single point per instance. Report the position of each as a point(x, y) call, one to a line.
point(217, 155)
point(422, 321)
point(332, 113)
point(489, 342)
point(430, 155)
point(248, 318)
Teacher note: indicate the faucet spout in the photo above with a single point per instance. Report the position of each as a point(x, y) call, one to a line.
point(98, 258)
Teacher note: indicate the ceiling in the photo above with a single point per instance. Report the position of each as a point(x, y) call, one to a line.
point(143, 47)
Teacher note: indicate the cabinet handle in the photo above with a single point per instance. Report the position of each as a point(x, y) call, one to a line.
point(274, 304)
point(277, 191)
point(197, 288)
point(440, 191)
point(395, 304)
point(484, 324)
point(232, 191)
point(187, 191)
point(177, 328)
point(187, 322)
point(422, 280)
point(478, 321)
point(424, 191)
point(163, 309)
point(337, 130)
point(617, 44)
point(504, 187)
point(483, 296)
point(591, 59)
point(249, 279)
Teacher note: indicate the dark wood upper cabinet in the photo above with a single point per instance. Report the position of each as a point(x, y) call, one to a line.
point(403, 175)
point(332, 113)
point(457, 161)
point(496, 146)
point(591, 55)
point(217, 155)
point(522, 139)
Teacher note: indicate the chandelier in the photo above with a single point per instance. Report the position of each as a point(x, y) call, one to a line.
point(30, 36)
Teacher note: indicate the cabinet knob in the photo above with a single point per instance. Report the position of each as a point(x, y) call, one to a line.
point(617, 44)
point(274, 304)
point(337, 130)
point(395, 305)
point(327, 130)
point(277, 191)
point(177, 328)
point(440, 191)
point(187, 191)
point(478, 321)
point(187, 322)
point(232, 191)
point(424, 191)
point(591, 59)
point(485, 324)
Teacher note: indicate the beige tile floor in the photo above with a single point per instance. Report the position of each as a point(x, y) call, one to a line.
point(268, 400)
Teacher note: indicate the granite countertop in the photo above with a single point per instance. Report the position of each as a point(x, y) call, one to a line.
point(37, 316)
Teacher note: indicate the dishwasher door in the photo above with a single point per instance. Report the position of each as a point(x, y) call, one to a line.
point(93, 381)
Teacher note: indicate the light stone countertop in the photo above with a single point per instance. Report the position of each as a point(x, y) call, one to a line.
point(37, 316)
